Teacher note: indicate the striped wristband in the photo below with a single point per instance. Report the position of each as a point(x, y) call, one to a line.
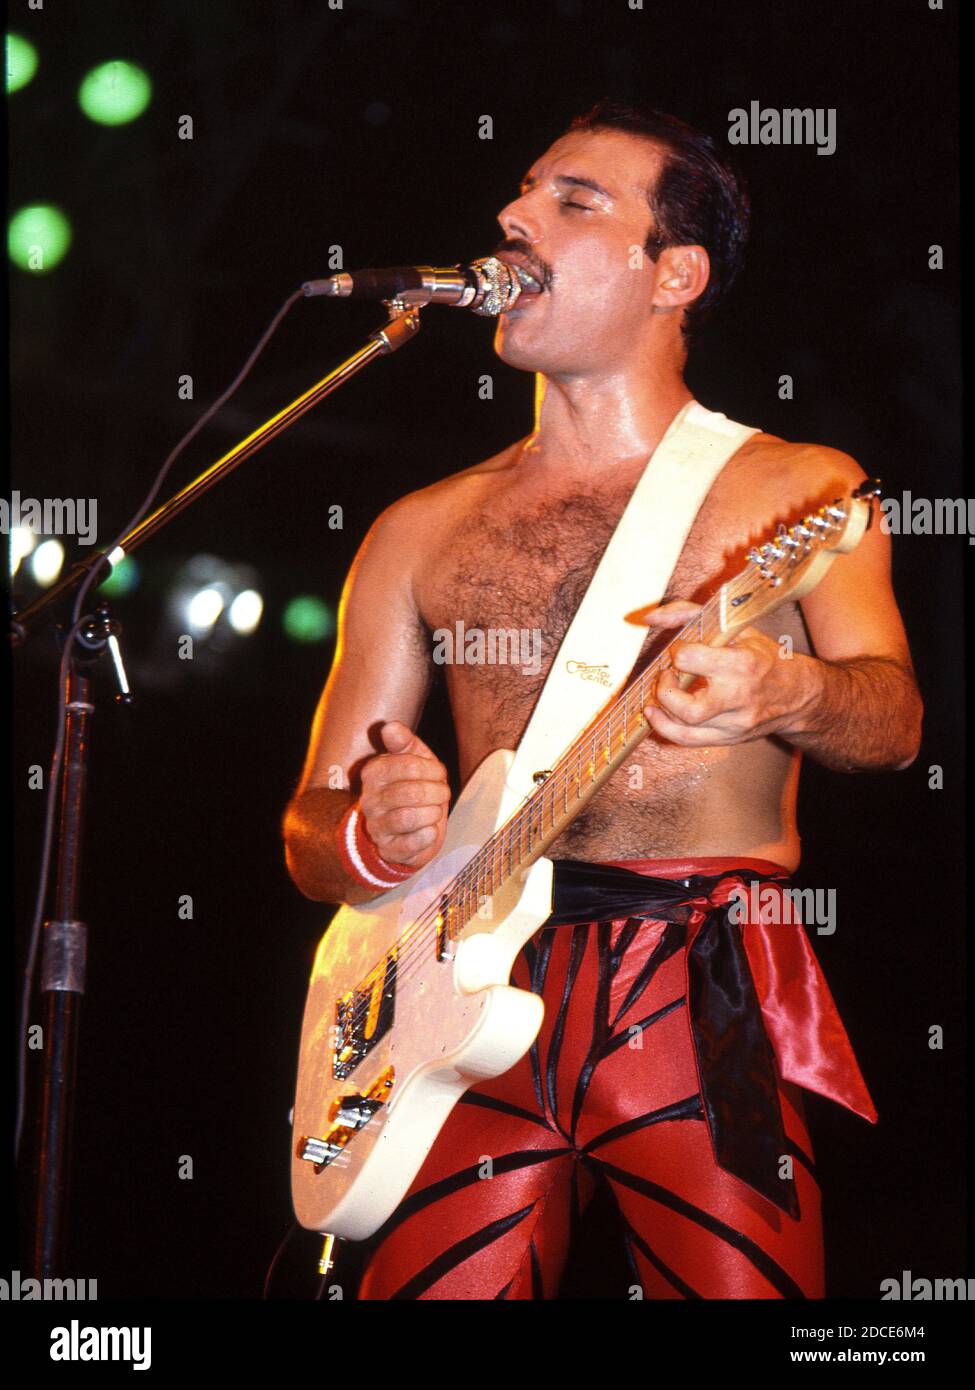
point(360, 857)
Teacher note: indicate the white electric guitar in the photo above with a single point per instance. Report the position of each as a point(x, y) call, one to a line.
point(409, 1003)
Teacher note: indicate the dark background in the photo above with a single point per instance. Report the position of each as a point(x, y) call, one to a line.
point(358, 127)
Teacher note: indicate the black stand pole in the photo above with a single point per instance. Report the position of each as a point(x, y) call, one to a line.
point(62, 985)
point(65, 937)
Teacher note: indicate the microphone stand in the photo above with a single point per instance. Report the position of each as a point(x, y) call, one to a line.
point(63, 962)
point(404, 322)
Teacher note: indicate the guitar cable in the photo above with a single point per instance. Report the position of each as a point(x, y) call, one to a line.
point(326, 1262)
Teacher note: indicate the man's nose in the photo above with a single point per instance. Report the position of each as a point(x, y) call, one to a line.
point(517, 221)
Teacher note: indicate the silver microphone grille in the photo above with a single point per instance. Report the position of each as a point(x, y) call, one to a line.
point(499, 286)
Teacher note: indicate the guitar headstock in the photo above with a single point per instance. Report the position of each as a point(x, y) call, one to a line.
point(794, 560)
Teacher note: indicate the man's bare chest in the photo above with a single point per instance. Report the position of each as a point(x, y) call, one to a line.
point(527, 569)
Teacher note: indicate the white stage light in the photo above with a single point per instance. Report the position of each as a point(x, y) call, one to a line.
point(47, 562)
point(245, 611)
point(204, 608)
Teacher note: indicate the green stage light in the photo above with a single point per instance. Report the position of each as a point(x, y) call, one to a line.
point(308, 619)
point(21, 62)
point(122, 580)
point(38, 237)
point(114, 93)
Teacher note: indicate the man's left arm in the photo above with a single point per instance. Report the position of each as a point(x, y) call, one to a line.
point(854, 706)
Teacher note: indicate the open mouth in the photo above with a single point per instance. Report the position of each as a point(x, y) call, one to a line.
point(530, 284)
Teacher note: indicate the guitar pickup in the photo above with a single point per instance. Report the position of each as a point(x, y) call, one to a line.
point(347, 1115)
point(363, 1017)
point(355, 1111)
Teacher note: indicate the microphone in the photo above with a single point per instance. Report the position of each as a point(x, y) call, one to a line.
point(488, 286)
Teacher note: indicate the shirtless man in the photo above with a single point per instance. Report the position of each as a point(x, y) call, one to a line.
point(513, 543)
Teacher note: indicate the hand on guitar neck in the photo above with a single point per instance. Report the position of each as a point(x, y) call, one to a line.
point(743, 690)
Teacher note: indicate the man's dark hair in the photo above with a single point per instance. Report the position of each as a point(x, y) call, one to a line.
point(699, 199)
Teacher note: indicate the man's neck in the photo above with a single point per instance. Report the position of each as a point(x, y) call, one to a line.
point(594, 429)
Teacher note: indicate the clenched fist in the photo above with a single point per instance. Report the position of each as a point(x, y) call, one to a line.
point(404, 798)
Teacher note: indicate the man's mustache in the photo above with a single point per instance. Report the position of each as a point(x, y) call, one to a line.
point(519, 247)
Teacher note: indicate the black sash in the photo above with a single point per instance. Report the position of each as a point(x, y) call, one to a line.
point(736, 1063)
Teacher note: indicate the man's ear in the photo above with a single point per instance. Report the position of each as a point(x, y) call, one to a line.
point(682, 276)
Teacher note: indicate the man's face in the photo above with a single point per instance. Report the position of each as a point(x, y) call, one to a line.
point(580, 223)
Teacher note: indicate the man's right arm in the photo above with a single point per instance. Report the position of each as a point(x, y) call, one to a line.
point(362, 750)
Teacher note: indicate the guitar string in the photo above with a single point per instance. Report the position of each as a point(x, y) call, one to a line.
point(412, 948)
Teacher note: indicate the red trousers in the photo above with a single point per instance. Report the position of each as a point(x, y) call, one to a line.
point(609, 1093)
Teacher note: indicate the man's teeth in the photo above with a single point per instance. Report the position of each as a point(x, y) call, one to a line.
point(527, 281)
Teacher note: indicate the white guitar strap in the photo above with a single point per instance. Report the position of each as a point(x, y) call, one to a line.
point(600, 648)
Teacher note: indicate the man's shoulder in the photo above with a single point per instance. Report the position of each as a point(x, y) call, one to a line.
point(429, 509)
point(798, 469)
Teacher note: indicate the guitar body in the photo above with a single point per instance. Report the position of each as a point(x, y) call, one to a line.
point(432, 1027)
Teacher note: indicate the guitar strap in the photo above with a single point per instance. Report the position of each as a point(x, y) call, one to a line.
point(601, 646)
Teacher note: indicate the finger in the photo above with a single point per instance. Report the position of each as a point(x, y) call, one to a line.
point(685, 735)
point(403, 820)
point(400, 738)
point(751, 634)
point(386, 768)
point(686, 707)
point(697, 658)
point(403, 849)
point(392, 795)
point(673, 614)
